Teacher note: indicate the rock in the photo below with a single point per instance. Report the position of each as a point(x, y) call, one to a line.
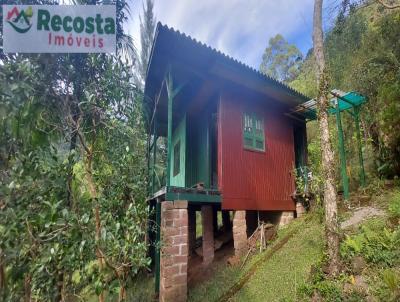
point(370, 299)
point(358, 264)
point(360, 284)
point(270, 234)
point(316, 297)
point(348, 288)
point(217, 244)
point(364, 199)
point(389, 183)
point(326, 269)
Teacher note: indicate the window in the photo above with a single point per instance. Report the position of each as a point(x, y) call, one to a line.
point(253, 132)
point(177, 158)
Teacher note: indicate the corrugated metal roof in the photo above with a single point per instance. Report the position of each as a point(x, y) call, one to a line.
point(222, 56)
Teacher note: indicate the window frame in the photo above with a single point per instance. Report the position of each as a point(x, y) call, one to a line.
point(250, 132)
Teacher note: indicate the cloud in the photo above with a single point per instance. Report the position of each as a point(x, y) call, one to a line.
point(239, 28)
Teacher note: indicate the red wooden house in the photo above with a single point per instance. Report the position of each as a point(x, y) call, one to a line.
point(223, 138)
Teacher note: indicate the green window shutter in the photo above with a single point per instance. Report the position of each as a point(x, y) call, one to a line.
point(253, 132)
point(259, 137)
point(248, 131)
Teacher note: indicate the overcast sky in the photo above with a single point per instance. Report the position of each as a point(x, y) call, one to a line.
point(239, 28)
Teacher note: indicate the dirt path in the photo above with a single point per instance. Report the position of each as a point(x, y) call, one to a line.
point(360, 215)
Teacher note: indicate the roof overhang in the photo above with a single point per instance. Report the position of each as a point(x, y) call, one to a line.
point(190, 61)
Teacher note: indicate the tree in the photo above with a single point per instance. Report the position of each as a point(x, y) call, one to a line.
point(73, 179)
point(388, 5)
point(328, 165)
point(281, 60)
point(147, 28)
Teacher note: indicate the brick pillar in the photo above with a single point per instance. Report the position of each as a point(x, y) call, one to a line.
point(286, 217)
point(300, 210)
point(174, 251)
point(192, 229)
point(239, 233)
point(208, 234)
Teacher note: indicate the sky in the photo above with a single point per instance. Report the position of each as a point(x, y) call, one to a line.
point(239, 28)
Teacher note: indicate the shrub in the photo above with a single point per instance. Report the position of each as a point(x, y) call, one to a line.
point(394, 206)
point(377, 245)
point(392, 282)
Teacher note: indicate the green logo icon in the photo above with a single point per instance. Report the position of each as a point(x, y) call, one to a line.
point(20, 20)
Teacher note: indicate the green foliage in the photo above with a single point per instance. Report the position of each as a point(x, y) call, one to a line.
point(392, 282)
point(375, 242)
point(281, 60)
point(394, 206)
point(317, 284)
point(72, 175)
point(363, 55)
point(147, 29)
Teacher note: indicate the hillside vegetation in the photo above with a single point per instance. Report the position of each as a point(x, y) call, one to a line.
point(363, 55)
point(370, 254)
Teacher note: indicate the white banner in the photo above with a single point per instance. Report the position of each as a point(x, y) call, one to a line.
point(59, 28)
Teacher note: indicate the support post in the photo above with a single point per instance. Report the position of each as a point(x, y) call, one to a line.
point(208, 234)
point(192, 228)
point(157, 246)
point(239, 231)
point(174, 251)
point(360, 154)
point(169, 131)
point(153, 181)
point(342, 153)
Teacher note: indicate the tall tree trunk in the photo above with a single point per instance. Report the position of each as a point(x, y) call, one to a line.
point(2, 277)
point(94, 197)
point(27, 288)
point(330, 197)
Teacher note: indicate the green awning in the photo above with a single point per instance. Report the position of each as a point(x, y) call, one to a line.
point(347, 100)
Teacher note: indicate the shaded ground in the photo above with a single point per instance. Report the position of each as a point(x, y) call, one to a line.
point(198, 273)
point(273, 279)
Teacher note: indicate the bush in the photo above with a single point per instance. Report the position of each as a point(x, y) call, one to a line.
point(394, 206)
point(375, 243)
point(329, 290)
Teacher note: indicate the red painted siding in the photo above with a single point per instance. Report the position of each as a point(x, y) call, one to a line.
point(251, 180)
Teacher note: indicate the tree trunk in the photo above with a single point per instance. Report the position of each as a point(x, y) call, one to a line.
point(27, 288)
point(328, 164)
point(2, 277)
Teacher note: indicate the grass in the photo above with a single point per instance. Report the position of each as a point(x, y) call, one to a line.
point(277, 278)
point(376, 241)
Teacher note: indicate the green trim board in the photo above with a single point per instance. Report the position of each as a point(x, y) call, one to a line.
point(190, 194)
point(193, 197)
point(178, 163)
